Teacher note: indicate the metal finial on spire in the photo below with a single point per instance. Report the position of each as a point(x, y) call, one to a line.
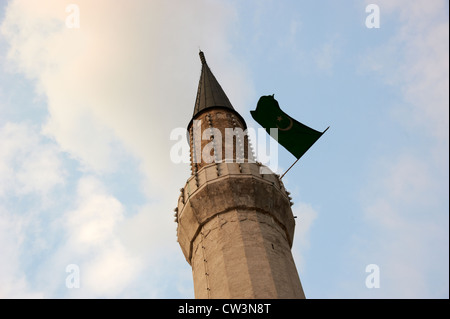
point(202, 57)
point(209, 92)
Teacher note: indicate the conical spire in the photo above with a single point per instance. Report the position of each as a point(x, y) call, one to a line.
point(209, 93)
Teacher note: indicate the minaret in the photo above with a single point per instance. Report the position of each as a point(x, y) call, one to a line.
point(235, 225)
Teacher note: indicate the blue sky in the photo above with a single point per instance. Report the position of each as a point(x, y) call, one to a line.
point(86, 114)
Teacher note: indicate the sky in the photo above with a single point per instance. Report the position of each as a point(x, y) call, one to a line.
point(90, 91)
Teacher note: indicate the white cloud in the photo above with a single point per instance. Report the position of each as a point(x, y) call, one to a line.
point(92, 242)
point(28, 164)
point(306, 215)
point(411, 247)
point(13, 280)
point(108, 273)
point(96, 217)
point(115, 88)
point(408, 188)
point(126, 77)
point(31, 170)
point(415, 60)
point(325, 57)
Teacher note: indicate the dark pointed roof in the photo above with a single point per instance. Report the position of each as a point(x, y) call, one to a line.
point(209, 93)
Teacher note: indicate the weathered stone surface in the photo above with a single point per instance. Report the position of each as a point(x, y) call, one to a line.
point(236, 231)
point(242, 254)
point(246, 191)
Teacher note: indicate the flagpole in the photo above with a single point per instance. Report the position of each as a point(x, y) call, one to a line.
point(289, 168)
point(299, 157)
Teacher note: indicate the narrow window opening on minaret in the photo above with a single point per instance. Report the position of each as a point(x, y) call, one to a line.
point(273, 247)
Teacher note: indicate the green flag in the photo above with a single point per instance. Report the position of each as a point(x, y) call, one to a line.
point(294, 136)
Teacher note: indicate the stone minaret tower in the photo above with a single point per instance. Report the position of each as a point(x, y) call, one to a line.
point(235, 225)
